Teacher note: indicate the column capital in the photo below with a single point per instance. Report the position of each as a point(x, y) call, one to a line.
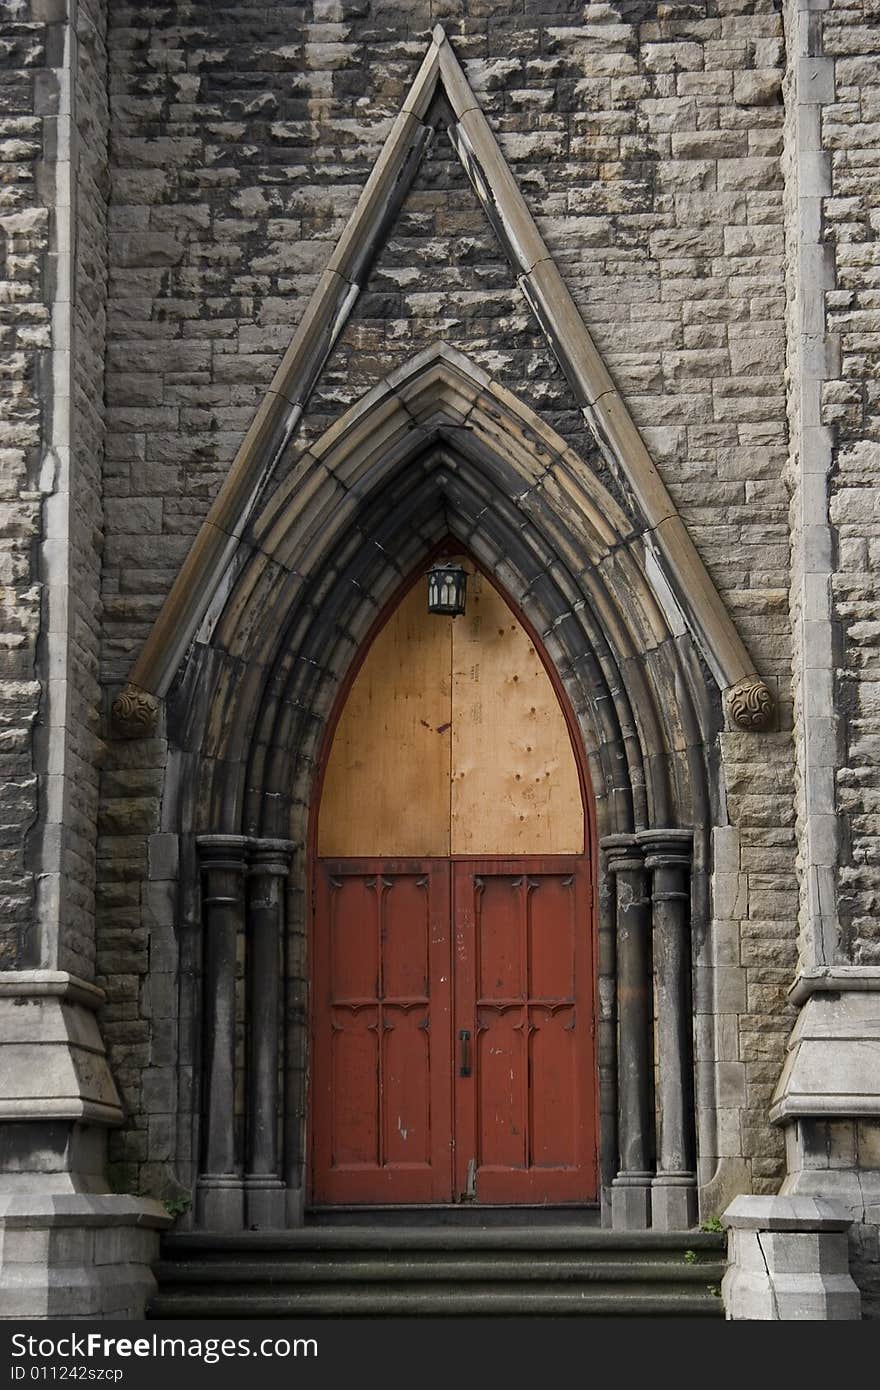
point(222, 851)
point(622, 853)
point(666, 848)
point(269, 857)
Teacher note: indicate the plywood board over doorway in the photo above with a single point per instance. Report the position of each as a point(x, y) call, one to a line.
point(386, 788)
point(452, 741)
point(515, 787)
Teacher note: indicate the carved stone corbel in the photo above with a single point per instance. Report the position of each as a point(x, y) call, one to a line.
point(135, 713)
point(751, 704)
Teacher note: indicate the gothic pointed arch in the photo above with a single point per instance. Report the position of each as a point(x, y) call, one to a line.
point(676, 574)
point(440, 453)
point(439, 449)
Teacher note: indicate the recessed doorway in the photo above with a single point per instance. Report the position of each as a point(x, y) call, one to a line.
point(453, 979)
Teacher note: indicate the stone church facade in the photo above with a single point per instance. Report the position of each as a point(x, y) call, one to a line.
point(297, 298)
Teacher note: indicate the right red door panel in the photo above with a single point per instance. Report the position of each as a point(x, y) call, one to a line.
point(525, 1109)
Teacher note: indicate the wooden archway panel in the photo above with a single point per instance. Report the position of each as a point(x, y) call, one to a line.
point(452, 741)
point(515, 787)
point(386, 786)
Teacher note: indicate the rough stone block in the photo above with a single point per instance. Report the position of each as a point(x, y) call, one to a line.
point(78, 1256)
point(788, 1261)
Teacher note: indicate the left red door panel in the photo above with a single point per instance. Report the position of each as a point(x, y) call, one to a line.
point(382, 1089)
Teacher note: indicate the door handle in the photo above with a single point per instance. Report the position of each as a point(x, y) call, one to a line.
point(464, 1038)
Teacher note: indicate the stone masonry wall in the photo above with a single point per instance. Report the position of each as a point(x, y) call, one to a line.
point(647, 140)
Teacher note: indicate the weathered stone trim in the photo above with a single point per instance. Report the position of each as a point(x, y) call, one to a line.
point(70, 99)
point(835, 979)
point(440, 394)
point(472, 452)
point(604, 411)
point(59, 983)
point(55, 563)
point(811, 85)
point(55, 552)
point(650, 878)
point(832, 1064)
point(220, 1196)
point(266, 1199)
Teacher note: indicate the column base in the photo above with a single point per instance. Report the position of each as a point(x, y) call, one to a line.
point(674, 1202)
point(220, 1202)
point(295, 1207)
point(78, 1255)
point(265, 1203)
point(631, 1202)
point(788, 1261)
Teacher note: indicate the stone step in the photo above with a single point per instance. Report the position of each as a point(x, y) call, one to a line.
point(437, 1271)
point(462, 1214)
point(429, 1300)
point(637, 1245)
point(435, 1268)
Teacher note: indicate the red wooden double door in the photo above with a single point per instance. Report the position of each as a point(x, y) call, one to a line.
point(452, 972)
point(454, 1043)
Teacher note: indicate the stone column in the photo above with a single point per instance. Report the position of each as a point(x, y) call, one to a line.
point(296, 1041)
point(674, 1192)
point(631, 1188)
point(264, 1188)
point(219, 1204)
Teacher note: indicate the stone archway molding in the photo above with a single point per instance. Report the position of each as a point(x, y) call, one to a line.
point(676, 572)
point(439, 453)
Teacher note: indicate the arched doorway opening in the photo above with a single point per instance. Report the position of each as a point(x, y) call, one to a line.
point(453, 986)
point(369, 504)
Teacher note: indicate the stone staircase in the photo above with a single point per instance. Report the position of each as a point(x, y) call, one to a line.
point(550, 1267)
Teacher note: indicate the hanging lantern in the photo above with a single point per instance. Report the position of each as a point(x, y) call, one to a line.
point(447, 589)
